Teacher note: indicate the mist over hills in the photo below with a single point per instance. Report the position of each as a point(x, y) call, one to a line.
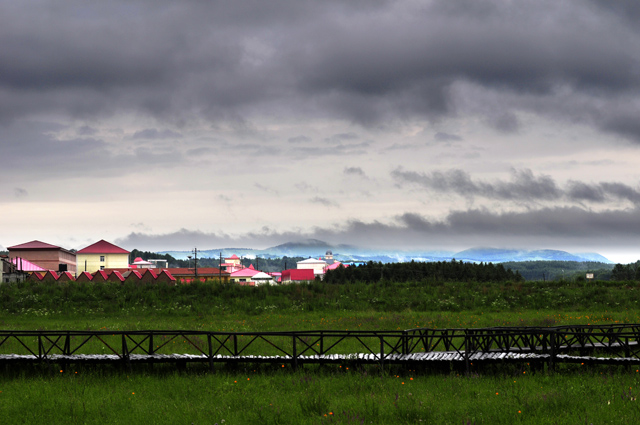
point(316, 248)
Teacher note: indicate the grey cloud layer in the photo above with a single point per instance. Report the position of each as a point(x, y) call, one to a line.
point(524, 186)
point(365, 61)
point(575, 225)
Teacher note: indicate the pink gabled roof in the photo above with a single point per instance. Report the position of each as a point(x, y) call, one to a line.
point(100, 273)
point(233, 257)
point(149, 271)
point(169, 275)
point(116, 276)
point(335, 265)
point(103, 247)
point(86, 275)
point(66, 276)
point(33, 245)
point(26, 266)
point(248, 272)
point(52, 274)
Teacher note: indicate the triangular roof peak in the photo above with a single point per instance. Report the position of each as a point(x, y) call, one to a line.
point(103, 247)
point(33, 245)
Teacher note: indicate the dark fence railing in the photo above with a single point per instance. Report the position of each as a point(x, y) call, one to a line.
point(593, 344)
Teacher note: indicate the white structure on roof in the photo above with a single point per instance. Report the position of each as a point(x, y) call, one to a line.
point(314, 264)
point(262, 278)
point(139, 263)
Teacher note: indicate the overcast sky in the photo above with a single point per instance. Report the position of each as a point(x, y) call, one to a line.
point(404, 124)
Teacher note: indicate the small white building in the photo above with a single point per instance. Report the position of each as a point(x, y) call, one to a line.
point(262, 278)
point(314, 264)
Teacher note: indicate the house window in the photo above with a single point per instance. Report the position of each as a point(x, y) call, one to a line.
point(102, 258)
point(101, 267)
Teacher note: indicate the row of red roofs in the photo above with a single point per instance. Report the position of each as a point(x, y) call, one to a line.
point(148, 276)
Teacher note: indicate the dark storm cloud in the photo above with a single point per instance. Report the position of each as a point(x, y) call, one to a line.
point(325, 202)
point(550, 226)
point(31, 143)
point(299, 139)
point(354, 171)
point(358, 60)
point(33, 146)
point(337, 138)
point(446, 137)
point(601, 192)
point(152, 133)
point(86, 130)
point(266, 189)
point(523, 185)
point(19, 192)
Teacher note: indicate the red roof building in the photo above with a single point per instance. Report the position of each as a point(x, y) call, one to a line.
point(47, 256)
point(297, 275)
point(100, 276)
point(133, 276)
point(66, 277)
point(187, 274)
point(101, 255)
point(115, 276)
point(166, 277)
point(84, 277)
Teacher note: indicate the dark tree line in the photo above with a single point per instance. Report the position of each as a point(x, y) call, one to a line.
point(629, 271)
point(441, 271)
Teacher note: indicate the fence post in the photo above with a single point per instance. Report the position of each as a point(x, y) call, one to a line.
point(125, 351)
point(235, 345)
point(381, 353)
point(405, 343)
point(151, 347)
point(294, 359)
point(467, 346)
point(67, 345)
point(552, 346)
point(210, 352)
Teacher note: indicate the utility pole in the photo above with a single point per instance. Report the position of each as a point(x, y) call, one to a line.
point(195, 260)
point(220, 269)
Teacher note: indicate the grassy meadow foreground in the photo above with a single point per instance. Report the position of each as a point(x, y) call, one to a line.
point(316, 395)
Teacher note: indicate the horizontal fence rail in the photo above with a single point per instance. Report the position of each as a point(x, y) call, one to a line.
point(604, 344)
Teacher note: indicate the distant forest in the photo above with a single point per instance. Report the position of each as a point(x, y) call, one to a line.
point(441, 271)
point(560, 270)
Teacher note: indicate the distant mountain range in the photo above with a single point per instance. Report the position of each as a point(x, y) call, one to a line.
point(317, 248)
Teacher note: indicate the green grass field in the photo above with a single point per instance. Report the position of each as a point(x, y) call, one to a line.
point(316, 395)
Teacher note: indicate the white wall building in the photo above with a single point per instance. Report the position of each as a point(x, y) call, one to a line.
point(314, 264)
